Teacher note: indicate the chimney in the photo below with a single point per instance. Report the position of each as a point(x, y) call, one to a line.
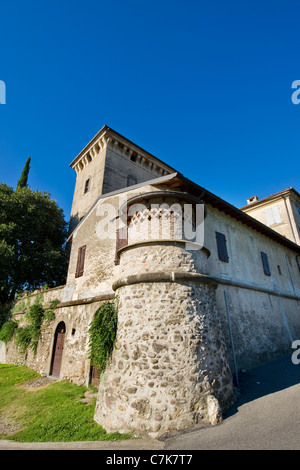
point(252, 199)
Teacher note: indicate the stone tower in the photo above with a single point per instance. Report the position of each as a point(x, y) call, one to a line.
point(170, 367)
point(107, 163)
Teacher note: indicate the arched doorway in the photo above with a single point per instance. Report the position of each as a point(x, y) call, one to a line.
point(58, 347)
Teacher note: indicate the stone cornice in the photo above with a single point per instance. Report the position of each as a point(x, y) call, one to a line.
point(165, 276)
point(123, 146)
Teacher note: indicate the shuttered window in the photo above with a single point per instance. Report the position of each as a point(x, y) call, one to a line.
point(222, 247)
point(273, 215)
point(80, 261)
point(265, 263)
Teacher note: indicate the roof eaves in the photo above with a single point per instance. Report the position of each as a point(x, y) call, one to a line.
point(155, 181)
point(243, 217)
point(109, 130)
point(268, 198)
point(212, 199)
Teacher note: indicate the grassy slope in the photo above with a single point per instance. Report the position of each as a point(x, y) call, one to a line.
point(54, 413)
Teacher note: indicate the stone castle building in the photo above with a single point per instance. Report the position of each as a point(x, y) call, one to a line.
point(281, 212)
point(204, 290)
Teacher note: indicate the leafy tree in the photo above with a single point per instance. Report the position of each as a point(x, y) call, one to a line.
point(32, 236)
point(22, 183)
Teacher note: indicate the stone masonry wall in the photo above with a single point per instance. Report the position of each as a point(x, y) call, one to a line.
point(171, 256)
point(75, 364)
point(170, 368)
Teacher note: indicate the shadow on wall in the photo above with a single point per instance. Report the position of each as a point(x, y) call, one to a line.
point(74, 221)
point(265, 379)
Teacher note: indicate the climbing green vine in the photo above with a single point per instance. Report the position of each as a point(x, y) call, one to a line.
point(7, 330)
point(102, 334)
point(28, 335)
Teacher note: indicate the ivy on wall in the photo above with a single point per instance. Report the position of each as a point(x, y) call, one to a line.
point(102, 334)
point(7, 330)
point(28, 335)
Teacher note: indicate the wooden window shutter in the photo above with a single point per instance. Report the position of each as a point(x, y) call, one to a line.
point(121, 241)
point(80, 261)
point(265, 263)
point(222, 247)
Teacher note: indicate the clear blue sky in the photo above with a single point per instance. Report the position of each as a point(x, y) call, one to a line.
point(203, 85)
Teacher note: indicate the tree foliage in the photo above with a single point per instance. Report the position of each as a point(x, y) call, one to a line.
point(32, 236)
point(22, 183)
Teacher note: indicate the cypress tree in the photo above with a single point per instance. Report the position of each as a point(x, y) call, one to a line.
point(22, 183)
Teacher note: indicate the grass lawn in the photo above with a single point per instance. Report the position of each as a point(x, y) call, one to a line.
point(51, 414)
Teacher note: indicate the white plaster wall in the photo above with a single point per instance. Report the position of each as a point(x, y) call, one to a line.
point(263, 323)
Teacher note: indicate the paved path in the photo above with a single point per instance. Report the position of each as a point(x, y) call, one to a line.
point(265, 416)
point(132, 444)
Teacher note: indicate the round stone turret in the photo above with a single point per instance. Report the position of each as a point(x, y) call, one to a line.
point(170, 367)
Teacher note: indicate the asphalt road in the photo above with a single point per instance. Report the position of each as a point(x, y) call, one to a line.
point(266, 416)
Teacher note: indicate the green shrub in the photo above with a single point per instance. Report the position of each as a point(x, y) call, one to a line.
point(8, 330)
point(23, 337)
point(28, 335)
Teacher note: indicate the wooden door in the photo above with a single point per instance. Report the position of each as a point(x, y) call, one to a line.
point(95, 376)
point(58, 348)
